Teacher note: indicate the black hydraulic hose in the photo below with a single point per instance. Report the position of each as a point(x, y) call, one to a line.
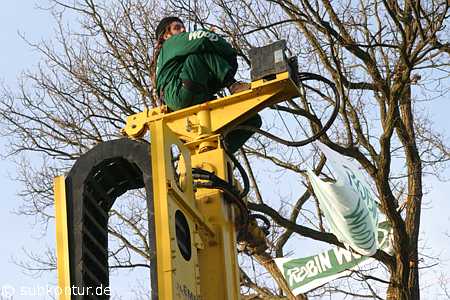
point(200, 176)
point(262, 218)
point(245, 179)
point(233, 196)
point(214, 181)
point(243, 173)
point(205, 175)
point(304, 76)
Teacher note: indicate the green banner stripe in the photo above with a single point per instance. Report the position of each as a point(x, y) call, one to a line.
point(305, 271)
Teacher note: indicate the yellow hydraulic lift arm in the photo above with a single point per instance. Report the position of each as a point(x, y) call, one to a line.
point(217, 115)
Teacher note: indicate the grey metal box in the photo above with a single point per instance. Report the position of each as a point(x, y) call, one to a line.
point(269, 60)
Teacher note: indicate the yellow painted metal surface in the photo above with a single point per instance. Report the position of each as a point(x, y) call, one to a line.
point(212, 271)
point(219, 273)
point(222, 113)
point(62, 237)
point(178, 278)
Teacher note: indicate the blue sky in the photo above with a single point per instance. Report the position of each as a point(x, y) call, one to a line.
point(17, 232)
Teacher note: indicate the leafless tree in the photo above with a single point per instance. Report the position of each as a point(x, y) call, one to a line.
point(385, 57)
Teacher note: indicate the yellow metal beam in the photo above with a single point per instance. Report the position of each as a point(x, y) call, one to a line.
point(212, 272)
point(178, 278)
point(219, 114)
point(62, 237)
point(218, 264)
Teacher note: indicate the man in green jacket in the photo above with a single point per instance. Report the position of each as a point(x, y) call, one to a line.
point(192, 66)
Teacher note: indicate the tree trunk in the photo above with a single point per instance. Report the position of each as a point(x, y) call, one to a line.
point(404, 283)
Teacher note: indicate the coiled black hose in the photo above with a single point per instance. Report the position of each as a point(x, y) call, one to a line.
point(215, 182)
point(304, 76)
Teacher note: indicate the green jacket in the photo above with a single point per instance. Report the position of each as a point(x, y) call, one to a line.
point(175, 50)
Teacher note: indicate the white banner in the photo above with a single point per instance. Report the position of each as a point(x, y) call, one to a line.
point(348, 204)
